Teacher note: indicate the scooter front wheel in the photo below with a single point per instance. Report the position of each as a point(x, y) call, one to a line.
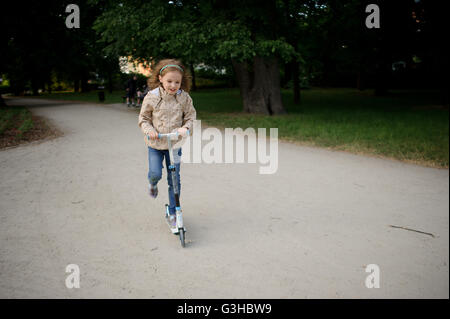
point(182, 237)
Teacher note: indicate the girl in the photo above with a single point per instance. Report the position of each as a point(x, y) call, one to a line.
point(166, 108)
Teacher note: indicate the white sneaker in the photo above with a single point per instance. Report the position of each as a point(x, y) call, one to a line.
point(173, 221)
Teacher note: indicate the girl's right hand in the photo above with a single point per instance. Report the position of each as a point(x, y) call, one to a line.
point(153, 135)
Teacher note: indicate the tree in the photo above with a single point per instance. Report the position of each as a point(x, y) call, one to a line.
point(205, 31)
point(27, 57)
point(251, 36)
point(38, 45)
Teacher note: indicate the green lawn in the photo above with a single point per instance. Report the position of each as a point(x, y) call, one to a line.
point(405, 125)
point(16, 119)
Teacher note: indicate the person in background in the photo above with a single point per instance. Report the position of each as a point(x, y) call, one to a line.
point(131, 91)
point(143, 92)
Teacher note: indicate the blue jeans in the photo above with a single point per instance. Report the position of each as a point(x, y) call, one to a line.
point(155, 165)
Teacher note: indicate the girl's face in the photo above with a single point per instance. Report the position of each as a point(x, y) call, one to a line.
point(171, 81)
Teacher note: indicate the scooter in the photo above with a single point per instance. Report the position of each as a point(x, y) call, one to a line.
point(179, 229)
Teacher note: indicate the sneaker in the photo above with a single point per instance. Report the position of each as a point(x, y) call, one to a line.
point(153, 190)
point(173, 220)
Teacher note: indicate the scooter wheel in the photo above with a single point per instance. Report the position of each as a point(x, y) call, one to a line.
point(181, 230)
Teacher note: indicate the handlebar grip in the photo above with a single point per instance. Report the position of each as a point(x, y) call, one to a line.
point(169, 134)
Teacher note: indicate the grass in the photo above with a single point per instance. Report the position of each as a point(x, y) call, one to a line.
point(404, 125)
point(18, 125)
point(15, 118)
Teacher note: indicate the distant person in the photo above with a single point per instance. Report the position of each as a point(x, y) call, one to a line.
point(143, 92)
point(131, 90)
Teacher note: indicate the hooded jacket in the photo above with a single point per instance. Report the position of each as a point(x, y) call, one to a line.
point(162, 112)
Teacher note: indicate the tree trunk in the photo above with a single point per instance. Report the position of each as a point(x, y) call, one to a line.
point(110, 82)
point(84, 84)
point(359, 81)
point(34, 86)
point(260, 87)
point(194, 85)
point(296, 75)
point(243, 78)
point(381, 79)
point(287, 75)
point(76, 85)
point(49, 84)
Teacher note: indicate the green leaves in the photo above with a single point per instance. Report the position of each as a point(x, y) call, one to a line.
point(277, 47)
point(193, 31)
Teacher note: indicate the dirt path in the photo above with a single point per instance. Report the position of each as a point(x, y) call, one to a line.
point(307, 231)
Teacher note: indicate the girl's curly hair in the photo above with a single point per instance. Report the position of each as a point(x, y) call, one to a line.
point(154, 77)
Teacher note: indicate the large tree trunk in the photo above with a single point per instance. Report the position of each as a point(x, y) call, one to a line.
point(260, 87)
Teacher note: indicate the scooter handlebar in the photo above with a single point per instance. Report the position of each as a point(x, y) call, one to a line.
point(173, 135)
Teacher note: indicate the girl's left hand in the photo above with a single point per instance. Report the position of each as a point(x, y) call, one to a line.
point(182, 131)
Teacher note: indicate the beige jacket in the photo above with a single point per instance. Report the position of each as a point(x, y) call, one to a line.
point(165, 113)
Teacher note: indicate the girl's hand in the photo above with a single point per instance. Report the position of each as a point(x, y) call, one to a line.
point(153, 135)
point(182, 131)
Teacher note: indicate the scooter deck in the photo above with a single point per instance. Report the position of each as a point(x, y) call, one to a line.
point(174, 230)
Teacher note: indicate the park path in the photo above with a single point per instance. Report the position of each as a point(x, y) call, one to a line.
point(307, 231)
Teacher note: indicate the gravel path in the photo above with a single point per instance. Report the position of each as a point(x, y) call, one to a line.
point(307, 231)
